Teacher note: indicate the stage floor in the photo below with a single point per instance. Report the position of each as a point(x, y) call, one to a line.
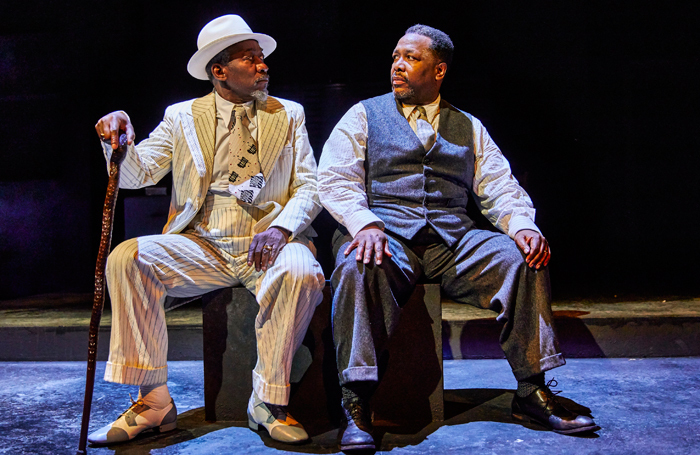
point(644, 406)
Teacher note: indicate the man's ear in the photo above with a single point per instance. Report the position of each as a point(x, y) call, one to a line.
point(440, 70)
point(218, 72)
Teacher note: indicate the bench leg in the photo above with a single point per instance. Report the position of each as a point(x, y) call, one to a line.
point(230, 354)
point(411, 389)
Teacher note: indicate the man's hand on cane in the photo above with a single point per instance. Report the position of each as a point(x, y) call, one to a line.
point(109, 126)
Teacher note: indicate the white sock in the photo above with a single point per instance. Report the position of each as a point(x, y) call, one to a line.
point(155, 396)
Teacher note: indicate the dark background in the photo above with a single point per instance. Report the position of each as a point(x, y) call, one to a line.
point(594, 103)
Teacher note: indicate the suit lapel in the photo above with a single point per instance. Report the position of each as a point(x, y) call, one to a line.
point(273, 125)
point(204, 118)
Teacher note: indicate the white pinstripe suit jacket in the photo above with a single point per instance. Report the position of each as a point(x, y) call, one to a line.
point(184, 144)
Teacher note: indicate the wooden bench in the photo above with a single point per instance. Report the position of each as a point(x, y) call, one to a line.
point(411, 389)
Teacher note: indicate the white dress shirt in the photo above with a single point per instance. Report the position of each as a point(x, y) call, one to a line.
point(341, 176)
point(219, 178)
point(432, 111)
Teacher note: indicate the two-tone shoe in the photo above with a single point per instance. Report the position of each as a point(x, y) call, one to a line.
point(276, 420)
point(135, 420)
point(542, 407)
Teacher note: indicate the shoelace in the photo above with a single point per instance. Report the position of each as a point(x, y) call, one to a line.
point(138, 402)
point(553, 383)
point(356, 409)
point(551, 396)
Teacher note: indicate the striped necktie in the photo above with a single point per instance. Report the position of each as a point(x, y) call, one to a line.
point(245, 178)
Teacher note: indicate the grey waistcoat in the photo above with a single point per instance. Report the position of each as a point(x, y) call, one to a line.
point(408, 187)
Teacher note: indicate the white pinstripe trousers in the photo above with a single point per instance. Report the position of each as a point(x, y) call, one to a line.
point(142, 271)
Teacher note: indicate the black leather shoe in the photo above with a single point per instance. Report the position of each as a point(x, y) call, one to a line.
point(542, 406)
point(357, 434)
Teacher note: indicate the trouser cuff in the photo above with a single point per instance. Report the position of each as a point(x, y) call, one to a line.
point(124, 374)
point(353, 374)
point(272, 394)
point(545, 364)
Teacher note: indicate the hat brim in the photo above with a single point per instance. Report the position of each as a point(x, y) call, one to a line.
point(197, 64)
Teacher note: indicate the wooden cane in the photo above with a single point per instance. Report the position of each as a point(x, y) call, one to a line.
point(99, 298)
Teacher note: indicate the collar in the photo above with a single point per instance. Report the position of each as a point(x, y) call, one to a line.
point(431, 109)
point(224, 108)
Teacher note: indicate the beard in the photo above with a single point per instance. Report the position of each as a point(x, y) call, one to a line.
point(404, 95)
point(260, 95)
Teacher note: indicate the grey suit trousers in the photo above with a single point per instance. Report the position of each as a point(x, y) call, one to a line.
point(484, 269)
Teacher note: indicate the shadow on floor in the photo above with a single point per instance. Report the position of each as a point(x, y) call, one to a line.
point(462, 406)
point(190, 425)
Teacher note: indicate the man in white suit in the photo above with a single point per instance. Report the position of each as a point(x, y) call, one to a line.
point(243, 198)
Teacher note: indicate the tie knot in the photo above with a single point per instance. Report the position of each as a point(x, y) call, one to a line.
point(421, 113)
point(237, 113)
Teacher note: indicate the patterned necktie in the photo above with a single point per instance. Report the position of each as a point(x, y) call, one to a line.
point(245, 178)
point(424, 130)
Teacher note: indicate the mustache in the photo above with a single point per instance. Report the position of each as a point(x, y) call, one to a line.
point(398, 76)
point(262, 78)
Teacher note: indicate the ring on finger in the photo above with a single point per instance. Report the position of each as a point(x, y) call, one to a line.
point(267, 248)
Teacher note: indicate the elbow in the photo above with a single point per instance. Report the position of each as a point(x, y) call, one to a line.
point(322, 196)
point(323, 191)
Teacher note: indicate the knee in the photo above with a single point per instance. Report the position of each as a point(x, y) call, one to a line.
point(347, 267)
point(312, 277)
point(510, 256)
point(122, 257)
point(350, 265)
point(304, 271)
point(513, 263)
point(348, 262)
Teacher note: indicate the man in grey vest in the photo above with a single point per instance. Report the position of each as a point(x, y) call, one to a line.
point(396, 173)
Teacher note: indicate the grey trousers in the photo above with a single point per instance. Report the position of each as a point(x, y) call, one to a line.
point(484, 269)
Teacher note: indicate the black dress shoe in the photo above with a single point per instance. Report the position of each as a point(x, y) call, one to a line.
point(357, 434)
point(542, 406)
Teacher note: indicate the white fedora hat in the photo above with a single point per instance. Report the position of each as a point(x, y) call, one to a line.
point(219, 34)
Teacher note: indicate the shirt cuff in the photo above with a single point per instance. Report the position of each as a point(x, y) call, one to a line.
point(518, 223)
point(361, 219)
point(292, 234)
